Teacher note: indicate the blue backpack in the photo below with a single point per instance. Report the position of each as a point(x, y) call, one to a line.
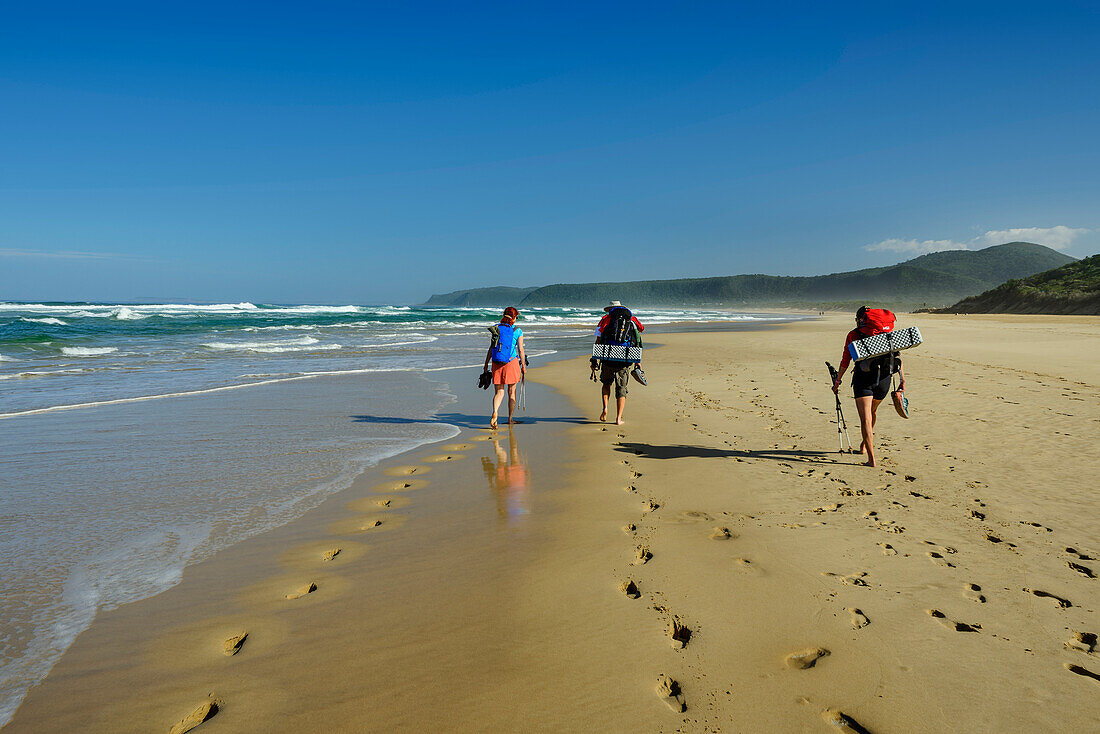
point(504, 348)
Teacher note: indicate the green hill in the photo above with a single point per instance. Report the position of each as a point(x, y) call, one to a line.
point(1070, 289)
point(499, 295)
point(936, 278)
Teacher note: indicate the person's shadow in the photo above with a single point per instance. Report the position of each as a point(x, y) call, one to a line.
point(683, 451)
point(466, 420)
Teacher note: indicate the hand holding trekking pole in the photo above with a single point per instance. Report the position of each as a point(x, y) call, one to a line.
point(841, 424)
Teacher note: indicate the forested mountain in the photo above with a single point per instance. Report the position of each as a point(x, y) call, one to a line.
point(934, 279)
point(1070, 289)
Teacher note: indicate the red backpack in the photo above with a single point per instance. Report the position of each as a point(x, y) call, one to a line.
point(879, 321)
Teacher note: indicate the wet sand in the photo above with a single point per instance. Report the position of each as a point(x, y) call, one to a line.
point(713, 565)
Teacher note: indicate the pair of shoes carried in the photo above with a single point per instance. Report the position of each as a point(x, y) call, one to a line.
point(638, 375)
point(485, 379)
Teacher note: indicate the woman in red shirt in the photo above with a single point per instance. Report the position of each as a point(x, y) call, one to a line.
point(870, 383)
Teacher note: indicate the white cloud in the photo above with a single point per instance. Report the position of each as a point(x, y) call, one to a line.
point(915, 247)
point(1059, 238)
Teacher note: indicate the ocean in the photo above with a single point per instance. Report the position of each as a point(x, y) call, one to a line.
point(138, 439)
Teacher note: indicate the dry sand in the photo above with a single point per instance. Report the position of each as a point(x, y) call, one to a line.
point(713, 565)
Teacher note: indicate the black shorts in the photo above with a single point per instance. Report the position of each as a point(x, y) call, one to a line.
point(865, 386)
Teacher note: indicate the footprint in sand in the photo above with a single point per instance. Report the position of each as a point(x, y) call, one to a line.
point(977, 515)
point(855, 579)
point(630, 488)
point(721, 534)
point(458, 447)
point(1082, 641)
point(630, 588)
point(744, 564)
point(956, 626)
point(1036, 525)
point(974, 593)
point(650, 506)
point(1074, 668)
point(1079, 554)
point(233, 645)
point(406, 471)
point(406, 485)
point(668, 689)
point(330, 554)
point(858, 619)
point(887, 549)
point(1083, 570)
point(206, 711)
point(939, 560)
point(1062, 603)
point(630, 528)
point(842, 721)
point(440, 458)
point(642, 556)
point(302, 591)
point(678, 633)
point(805, 659)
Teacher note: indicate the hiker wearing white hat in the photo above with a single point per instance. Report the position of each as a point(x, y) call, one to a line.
point(616, 325)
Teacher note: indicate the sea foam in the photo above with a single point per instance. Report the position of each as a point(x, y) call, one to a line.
point(87, 351)
point(282, 345)
point(48, 320)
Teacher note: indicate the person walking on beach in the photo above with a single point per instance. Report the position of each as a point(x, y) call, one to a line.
point(509, 362)
point(870, 377)
point(618, 326)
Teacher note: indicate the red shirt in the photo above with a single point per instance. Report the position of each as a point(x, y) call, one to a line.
point(854, 334)
point(607, 317)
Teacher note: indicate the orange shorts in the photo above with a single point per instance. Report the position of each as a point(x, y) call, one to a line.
point(507, 373)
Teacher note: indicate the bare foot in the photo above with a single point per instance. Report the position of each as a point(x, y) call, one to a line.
point(493, 421)
point(603, 416)
point(618, 421)
point(869, 462)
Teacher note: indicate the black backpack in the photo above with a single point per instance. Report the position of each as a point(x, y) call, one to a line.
point(881, 366)
point(620, 328)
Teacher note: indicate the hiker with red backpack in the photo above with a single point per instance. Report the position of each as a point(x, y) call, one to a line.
point(618, 346)
point(871, 378)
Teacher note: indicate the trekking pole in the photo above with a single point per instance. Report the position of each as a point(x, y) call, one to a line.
point(841, 424)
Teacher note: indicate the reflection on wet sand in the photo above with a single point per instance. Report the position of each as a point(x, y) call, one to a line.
point(508, 478)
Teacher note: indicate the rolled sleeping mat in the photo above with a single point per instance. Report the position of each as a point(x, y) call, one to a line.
point(880, 344)
point(617, 353)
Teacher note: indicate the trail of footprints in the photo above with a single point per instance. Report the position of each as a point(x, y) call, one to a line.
point(236, 644)
point(941, 556)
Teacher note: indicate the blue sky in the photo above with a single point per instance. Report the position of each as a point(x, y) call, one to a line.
point(364, 153)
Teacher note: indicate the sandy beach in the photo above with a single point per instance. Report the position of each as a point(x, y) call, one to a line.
point(713, 565)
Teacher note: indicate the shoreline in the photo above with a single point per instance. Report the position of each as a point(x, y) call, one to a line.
point(463, 423)
point(561, 584)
